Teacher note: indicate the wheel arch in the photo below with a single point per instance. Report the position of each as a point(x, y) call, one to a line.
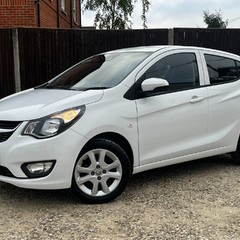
point(118, 139)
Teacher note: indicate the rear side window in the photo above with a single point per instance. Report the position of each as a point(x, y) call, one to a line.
point(180, 70)
point(221, 69)
point(238, 68)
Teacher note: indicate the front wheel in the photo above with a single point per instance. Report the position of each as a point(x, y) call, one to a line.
point(101, 172)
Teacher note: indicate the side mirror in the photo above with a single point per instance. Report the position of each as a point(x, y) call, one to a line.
point(151, 84)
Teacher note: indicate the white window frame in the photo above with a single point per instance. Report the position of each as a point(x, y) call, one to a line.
point(74, 10)
point(63, 5)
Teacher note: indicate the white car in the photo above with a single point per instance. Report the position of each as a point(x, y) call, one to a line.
point(120, 113)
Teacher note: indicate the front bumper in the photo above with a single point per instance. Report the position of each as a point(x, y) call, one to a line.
point(17, 150)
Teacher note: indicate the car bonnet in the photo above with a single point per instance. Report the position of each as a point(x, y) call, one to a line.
point(36, 103)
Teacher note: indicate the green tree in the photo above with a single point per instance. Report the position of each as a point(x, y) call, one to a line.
point(115, 14)
point(214, 20)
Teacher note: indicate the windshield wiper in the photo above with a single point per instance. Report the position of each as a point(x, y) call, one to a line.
point(47, 86)
point(57, 87)
point(41, 86)
point(91, 88)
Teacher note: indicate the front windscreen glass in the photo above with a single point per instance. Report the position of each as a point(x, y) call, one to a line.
point(98, 72)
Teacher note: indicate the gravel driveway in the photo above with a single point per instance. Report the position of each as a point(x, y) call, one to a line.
point(194, 200)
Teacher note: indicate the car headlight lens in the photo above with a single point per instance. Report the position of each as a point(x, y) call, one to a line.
point(54, 124)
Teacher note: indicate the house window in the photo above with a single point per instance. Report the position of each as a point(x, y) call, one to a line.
point(63, 5)
point(74, 11)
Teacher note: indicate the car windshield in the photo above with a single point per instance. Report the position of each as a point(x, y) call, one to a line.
point(98, 72)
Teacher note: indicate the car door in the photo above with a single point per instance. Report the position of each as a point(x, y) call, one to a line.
point(173, 123)
point(224, 96)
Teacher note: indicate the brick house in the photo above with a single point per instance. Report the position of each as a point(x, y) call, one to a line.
point(40, 13)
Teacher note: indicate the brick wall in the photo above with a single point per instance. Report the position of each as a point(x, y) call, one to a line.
point(66, 17)
point(48, 14)
point(15, 13)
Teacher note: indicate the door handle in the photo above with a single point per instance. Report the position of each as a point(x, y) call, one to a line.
point(196, 99)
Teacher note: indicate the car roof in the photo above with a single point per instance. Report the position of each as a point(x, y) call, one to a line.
point(142, 49)
point(156, 48)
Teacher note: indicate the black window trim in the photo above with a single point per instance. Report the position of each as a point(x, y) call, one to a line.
point(221, 82)
point(134, 92)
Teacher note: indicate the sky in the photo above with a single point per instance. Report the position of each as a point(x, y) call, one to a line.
point(179, 13)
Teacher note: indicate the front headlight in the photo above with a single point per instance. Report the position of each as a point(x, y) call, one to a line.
point(54, 124)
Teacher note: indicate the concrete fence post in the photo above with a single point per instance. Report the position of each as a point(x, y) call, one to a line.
point(16, 60)
point(170, 36)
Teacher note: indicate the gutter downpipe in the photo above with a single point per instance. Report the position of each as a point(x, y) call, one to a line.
point(71, 13)
point(38, 12)
point(58, 21)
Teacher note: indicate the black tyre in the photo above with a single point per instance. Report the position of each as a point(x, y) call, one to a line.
point(101, 172)
point(236, 155)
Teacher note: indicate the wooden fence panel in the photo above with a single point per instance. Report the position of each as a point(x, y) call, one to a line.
point(46, 52)
point(43, 53)
point(7, 83)
point(220, 39)
point(40, 57)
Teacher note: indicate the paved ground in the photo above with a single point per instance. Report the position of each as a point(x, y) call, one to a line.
point(195, 200)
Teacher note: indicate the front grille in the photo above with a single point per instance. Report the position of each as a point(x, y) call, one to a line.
point(5, 126)
point(5, 172)
point(4, 136)
point(9, 125)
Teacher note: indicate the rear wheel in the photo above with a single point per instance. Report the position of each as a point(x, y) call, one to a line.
point(236, 155)
point(101, 173)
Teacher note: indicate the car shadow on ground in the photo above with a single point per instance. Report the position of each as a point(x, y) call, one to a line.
point(195, 166)
point(137, 183)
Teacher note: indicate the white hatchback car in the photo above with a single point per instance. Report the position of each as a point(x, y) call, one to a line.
point(120, 113)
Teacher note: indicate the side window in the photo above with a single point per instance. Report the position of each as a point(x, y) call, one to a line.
point(238, 68)
point(180, 70)
point(221, 69)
